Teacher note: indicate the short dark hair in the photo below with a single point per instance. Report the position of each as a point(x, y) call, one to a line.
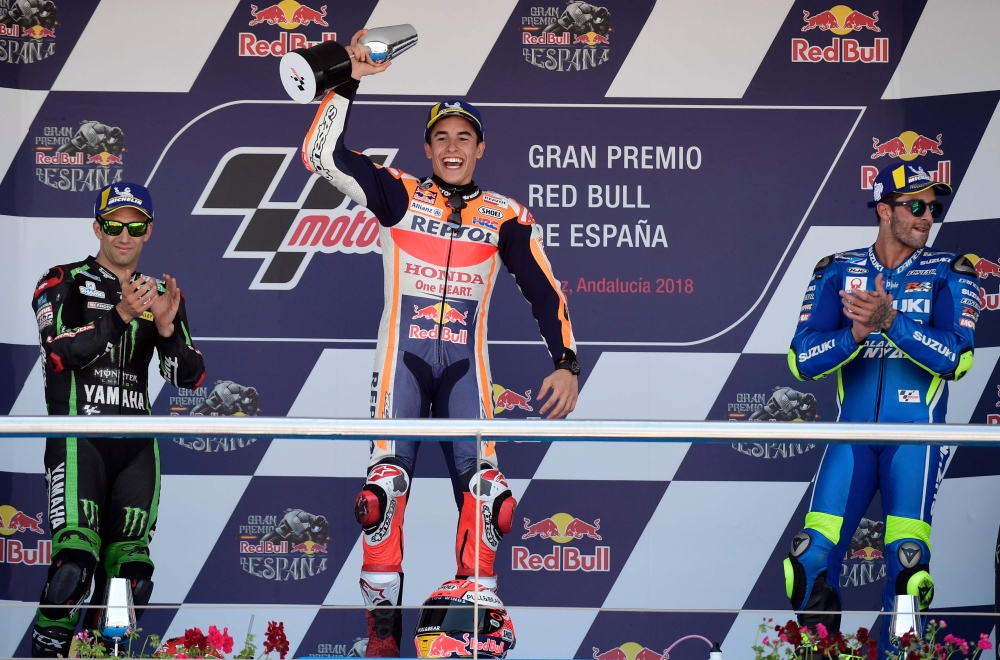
point(891, 197)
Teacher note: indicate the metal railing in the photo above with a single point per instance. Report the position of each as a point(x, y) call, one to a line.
point(470, 429)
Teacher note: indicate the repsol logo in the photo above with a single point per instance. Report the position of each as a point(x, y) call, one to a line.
point(110, 395)
point(438, 274)
point(816, 350)
point(429, 226)
point(493, 213)
point(934, 345)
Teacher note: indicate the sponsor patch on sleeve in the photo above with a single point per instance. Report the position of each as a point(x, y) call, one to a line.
point(909, 396)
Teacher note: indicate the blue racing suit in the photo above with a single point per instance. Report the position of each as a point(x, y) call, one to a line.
point(896, 375)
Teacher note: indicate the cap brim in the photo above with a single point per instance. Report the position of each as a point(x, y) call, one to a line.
point(456, 113)
point(127, 206)
point(939, 187)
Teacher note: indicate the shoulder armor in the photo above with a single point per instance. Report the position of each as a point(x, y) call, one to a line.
point(963, 265)
point(823, 263)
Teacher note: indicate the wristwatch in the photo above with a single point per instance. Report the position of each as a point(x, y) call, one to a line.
point(571, 366)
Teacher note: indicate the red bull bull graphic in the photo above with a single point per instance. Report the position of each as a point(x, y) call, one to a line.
point(840, 20)
point(444, 646)
point(629, 651)
point(574, 38)
point(17, 551)
point(285, 547)
point(506, 399)
point(561, 528)
point(907, 146)
point(985, 268)
point(440, 312)
point(287, 15)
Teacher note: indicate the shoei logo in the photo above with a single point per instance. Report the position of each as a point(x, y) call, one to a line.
point(286, 235)
point(562, 528)
point(292, 548)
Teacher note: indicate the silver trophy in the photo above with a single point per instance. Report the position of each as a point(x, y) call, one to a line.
point(118, 620)
point(386, 43)
point(309, 73)
point(906, 618)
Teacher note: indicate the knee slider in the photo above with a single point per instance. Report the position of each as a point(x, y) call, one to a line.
point(69, 581)
point(138, 575)
point(914, 579)
point(376, 503)
point(498, 501)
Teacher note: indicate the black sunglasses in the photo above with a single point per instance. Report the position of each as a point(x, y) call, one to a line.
point(918, 206)
point(113, 227)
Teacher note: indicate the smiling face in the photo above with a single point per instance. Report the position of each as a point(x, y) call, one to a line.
point(122, 251)
point(904, 227)
point(453, 149)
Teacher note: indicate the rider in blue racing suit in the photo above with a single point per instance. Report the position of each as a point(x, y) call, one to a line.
point(893, 321)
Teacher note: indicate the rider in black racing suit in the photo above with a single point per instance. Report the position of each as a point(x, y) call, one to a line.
point(103, 492)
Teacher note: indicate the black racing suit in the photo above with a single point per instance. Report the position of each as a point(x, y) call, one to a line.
point(103, 492)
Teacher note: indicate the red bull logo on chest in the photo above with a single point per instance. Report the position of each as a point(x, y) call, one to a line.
point(840, 20)
point(562, 528)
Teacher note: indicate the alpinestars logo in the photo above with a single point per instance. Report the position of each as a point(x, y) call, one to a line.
point(286, 235)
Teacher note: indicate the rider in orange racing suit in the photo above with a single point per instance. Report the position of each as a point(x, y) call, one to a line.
point(443, 240)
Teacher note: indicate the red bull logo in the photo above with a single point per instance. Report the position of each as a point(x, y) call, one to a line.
point(15, 551)
point(440, 313)
point(629, 651)
point(13, 521)
point(986, 268)
point(309, 547)
point(34, 32)
point(104, 159)
point(591, 39)
point(907, 146)
point(444, 646)
point(865, 554)
point(288, 15)
point(505, 399)
point(561, 528)
point(840, 20)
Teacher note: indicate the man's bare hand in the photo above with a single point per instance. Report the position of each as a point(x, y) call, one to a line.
point(165, 307)
point(869, 310)
point(361, 64)
point(565, 388)
point(137, 297)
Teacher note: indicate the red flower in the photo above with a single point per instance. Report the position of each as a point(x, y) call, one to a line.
point(220, 641)
point(195, 639)
point(275, 639)
point(872, 649)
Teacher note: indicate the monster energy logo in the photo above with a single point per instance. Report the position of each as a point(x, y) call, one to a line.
point(90, 513)
point(135, 521)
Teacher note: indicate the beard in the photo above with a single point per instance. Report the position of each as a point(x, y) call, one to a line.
point(908, 238)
